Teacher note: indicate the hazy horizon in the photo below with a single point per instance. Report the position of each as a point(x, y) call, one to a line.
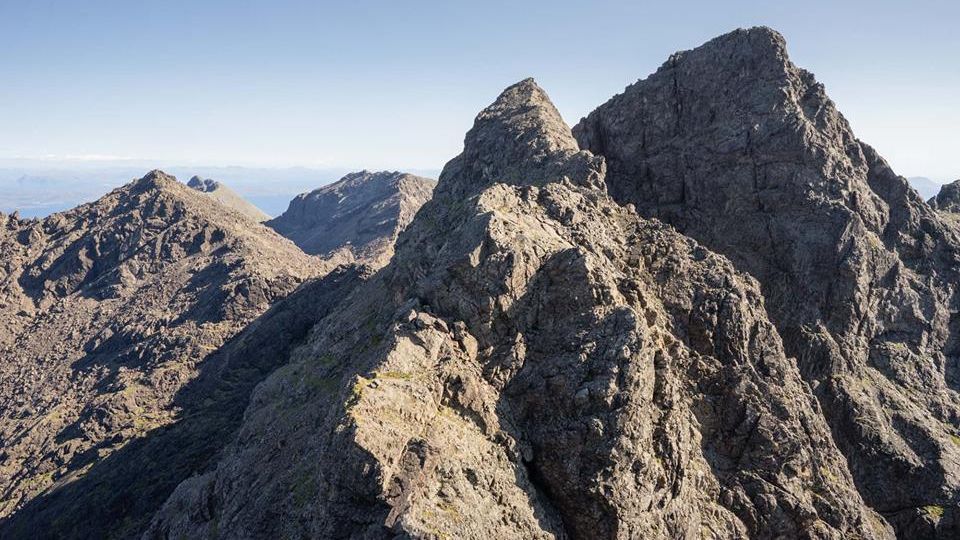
point(278, 84)
point(274, 100)
point(38, 191)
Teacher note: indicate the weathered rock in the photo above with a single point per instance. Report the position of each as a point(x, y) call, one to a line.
point(107, 312)
point(356, 219)
point(948, 199)
point(116, 496)
point(741, 150)
point(226, 196)
point(535, 362)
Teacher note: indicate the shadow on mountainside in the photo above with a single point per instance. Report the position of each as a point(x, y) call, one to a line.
point(118, 495)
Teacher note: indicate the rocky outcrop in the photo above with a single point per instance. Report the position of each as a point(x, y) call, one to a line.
point(948, 199)
point(226, 196)
point(107, 313)
point(536, 361)
point(741, 150)
point(356, 219)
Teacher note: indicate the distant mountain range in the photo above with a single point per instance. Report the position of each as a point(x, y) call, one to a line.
point(36, 190)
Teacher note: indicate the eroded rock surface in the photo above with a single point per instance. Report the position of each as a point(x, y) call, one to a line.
point(537, 361)
point(356, 219)
point(741, 150)
point(108, 311)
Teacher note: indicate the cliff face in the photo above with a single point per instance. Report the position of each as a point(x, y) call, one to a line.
point(356, 219)
point(537, 361)
point(108, 311)
point(741, 150)
point(229, 198)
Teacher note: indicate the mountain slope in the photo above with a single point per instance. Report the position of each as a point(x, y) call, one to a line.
point(356, 218)
point(535, 362)
point(221, 193)
point(741, 150)
point(109, 310)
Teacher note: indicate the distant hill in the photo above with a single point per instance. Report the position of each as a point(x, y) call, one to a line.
point(926, 187)
point(36, 189)
point(356, 218)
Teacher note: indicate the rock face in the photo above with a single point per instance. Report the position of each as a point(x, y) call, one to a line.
point(357, 218)
point(537, 361)
point(107, 313)
point(741, 150)
point(228, 197)
point(948, 199)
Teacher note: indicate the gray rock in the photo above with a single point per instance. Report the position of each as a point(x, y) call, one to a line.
point(711, 313)
point(535, 362)
point(356, 219)
point(107, 312)
point(948, 199)
point(738, 148)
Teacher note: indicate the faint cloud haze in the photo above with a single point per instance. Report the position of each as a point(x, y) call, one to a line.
point(395, 85)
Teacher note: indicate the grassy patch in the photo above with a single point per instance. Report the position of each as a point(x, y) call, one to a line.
point(934, 511)
point(396, 375)
point(326, 360)
point(356, 391)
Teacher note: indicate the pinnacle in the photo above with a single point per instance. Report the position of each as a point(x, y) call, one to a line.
point(519, 139)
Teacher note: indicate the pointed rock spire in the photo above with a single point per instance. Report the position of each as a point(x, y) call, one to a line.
point(520, 139)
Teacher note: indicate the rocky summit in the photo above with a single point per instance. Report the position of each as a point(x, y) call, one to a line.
point(744, 152)
point(226, 196)
point(356, 219)
point(537, 361)
point(706, 311)
point(948, 199)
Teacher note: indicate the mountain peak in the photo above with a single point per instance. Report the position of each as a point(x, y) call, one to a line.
point(743, 151)
point(356, 218)
point(519, 139)
point(745, 50)
point(948, 199)
point(155, 179)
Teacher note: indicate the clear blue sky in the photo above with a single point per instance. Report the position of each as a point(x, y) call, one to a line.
point(396, 83)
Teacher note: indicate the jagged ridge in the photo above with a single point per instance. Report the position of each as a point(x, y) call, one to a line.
point(535, 362)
